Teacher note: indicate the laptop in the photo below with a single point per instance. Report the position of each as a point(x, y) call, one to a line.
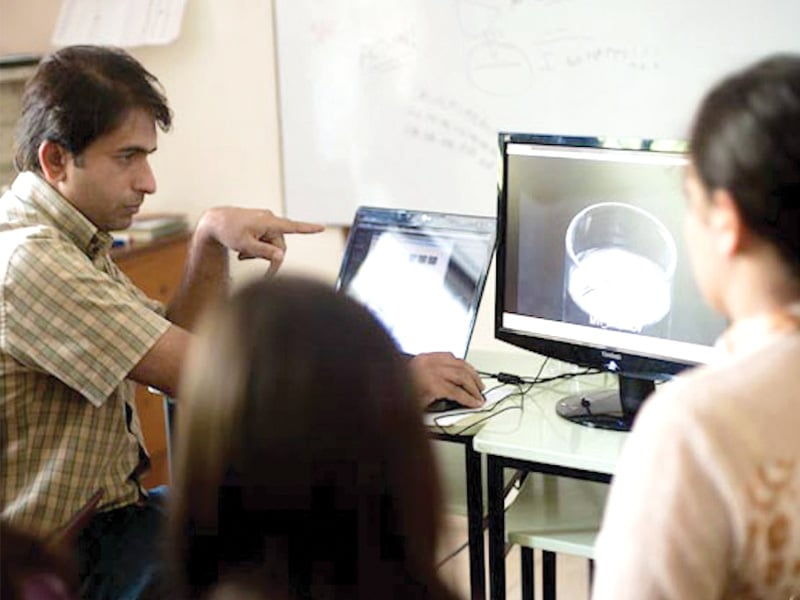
point(420, 273)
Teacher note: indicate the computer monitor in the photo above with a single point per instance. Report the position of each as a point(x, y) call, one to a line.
point(421, 273)
point(592, 266)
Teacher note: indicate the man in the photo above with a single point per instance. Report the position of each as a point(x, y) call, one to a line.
point(75, 333)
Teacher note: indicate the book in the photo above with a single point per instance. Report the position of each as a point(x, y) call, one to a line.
point(147, 228)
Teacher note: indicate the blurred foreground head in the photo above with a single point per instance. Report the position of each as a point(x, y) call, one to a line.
point(303, 467)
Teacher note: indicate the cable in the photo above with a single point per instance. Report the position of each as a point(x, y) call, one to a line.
point(505, 379)
point(452, 555)
point(491, 411)
point(502, 377)
point(514, 483)
point(514, 379)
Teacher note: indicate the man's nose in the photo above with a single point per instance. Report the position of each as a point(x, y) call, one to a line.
point(146, 180)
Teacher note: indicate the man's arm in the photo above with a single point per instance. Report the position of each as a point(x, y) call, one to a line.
point(442, 375)
point(252, 233)
point(161, 366)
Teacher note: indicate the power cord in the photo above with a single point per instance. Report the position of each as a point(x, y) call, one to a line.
point(514, 483)
point(492, 411)
point(524, 385)
point(511, 378)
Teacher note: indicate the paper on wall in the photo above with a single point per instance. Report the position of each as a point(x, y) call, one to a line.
point(118, 22)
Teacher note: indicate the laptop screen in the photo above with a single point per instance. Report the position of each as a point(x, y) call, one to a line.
point(420, 273)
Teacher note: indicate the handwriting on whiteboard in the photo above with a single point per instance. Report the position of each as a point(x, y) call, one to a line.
point(439, 120)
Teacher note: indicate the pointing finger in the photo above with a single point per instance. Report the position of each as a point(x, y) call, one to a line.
point(290, 226)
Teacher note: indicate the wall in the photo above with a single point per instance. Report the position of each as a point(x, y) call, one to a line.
point(224, 147)
point(12, 83)
point(25, 25)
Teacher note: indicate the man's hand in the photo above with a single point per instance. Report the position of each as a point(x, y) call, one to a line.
point(442, 375)
point(253, 233)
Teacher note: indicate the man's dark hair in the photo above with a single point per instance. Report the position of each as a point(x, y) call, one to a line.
point(746, 139)
point(80, 93)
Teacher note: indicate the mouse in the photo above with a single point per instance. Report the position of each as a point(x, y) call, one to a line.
point(442, 405)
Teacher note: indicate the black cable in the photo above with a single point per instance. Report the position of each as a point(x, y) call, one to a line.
point(505, 379)
point(453, 554)
point(492, 412)
point(514, 379)
point(514, 483)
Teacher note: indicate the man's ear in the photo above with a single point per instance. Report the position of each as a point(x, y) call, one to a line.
point(53, 161)
point(725, 220)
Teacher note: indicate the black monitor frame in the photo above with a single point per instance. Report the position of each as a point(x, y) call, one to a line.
point(637, 371)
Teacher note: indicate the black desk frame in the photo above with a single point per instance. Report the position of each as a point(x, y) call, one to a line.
point(477, 561)
point(497, 524)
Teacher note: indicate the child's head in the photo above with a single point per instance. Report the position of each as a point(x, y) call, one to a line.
point(302, 458)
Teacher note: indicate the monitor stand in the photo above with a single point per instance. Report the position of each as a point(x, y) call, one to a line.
point(607, 409)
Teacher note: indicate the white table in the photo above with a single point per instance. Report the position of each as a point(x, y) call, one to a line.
point(534, 438)
point(490, 361)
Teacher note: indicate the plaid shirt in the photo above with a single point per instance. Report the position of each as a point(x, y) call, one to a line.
point(72, 326)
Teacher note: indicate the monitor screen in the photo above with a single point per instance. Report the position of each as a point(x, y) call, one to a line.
point(592, 264)
point(420, 273)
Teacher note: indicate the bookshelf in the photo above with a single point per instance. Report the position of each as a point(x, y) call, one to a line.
point(150, 228)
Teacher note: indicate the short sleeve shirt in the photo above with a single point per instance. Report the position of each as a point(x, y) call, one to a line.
point(72, 326)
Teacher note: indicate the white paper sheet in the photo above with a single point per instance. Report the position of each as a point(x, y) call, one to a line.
point(123, 23)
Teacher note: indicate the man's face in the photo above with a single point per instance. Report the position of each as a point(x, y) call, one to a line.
point(107, 182)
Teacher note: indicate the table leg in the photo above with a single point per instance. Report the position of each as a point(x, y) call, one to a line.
point(548, 575)
point(526, 572)
point(477, 567)
point(497, 525)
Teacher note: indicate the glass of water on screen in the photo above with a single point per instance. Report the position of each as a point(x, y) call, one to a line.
point(619, 268)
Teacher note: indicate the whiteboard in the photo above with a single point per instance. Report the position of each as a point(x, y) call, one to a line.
point(398, 103)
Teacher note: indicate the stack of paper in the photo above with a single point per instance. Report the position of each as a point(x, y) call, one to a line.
point(149, 228)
